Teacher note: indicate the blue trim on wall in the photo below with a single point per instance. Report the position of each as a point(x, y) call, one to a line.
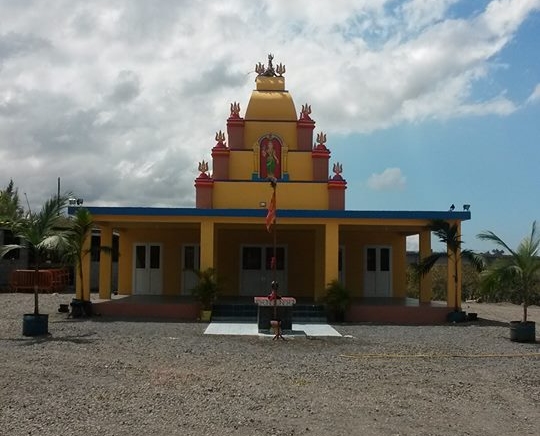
point(284, 213)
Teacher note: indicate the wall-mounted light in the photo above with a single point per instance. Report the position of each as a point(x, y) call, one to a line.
point(262, 203)
point(75, 201)
point(466, 206)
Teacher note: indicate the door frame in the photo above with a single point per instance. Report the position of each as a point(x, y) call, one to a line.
point(187, 272)
point(379, 276)
point(263, 287)
point(149, 290)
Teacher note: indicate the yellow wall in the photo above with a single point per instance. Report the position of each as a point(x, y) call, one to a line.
point(354, 243)
point(241, 165)
point(248, 195)
point(171, 240)
point(300, 166)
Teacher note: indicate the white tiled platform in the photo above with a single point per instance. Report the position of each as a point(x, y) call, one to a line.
point(245, 329)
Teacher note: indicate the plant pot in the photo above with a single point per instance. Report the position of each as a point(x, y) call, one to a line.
point(35, 325)
point(522, 331)
point(456, 316)
point(206, 315)
point(472, 316)
point(80, 308)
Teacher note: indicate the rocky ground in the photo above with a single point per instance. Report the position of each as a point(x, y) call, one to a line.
point(103, 377)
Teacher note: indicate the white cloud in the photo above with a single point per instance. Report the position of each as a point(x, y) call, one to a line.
point(96, 92)
point(535, 95)
point(389, 179)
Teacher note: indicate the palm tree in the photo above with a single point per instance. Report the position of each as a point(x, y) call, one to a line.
point(80, 229)
point(41, 232)
point(449, 234)
point(519, 270)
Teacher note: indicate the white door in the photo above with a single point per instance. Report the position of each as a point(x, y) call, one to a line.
point(148, 274)
point(257, 272)
point(377, 271)
point(191, 262)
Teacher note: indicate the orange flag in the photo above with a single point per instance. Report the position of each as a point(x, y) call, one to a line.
point(271, 215)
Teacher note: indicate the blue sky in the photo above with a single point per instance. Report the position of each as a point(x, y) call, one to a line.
point(425, 102)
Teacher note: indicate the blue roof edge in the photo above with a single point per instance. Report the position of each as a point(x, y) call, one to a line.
point(284, 213)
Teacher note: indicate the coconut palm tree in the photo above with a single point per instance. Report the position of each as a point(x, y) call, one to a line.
point(449, 234)
point(41, 232)
point(520, 269)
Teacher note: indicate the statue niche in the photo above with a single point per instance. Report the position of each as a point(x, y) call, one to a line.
point(270, 157)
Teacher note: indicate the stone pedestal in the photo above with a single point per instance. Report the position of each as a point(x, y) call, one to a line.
point(269, 310)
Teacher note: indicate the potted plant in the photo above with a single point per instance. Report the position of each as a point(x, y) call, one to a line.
point(519, 270)
point(41, 232)
point(449, 234)
point(206, 291)
point(337, 301)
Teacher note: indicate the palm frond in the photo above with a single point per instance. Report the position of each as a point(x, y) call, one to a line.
point(427, 263)
point(475, 259)
point(488, 235)
point(5, 249)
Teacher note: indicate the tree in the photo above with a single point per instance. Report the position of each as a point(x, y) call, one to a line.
point(520, 270)
point(80, 229)
point(42, 232)
point(10, 205)
point(449, 234)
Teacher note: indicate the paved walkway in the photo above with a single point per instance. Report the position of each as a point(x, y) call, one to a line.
point(246, 329)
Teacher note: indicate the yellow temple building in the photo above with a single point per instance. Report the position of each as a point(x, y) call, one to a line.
point(272, 148)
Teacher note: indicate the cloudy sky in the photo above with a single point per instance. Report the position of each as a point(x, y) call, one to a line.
point(425, 102)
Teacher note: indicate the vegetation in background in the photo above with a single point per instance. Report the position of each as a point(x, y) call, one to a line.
point(10, 204)
point(518, 272)
point(469, 282)
point(449, 235)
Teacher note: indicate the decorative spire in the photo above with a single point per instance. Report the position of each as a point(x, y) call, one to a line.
point(235, 110)
point(220, 138)
point(321, 140)
point(305, 112)
point(337, 169)
point(203, 169)
point(270, 71)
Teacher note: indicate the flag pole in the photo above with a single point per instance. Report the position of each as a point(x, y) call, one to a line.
point(274, 254)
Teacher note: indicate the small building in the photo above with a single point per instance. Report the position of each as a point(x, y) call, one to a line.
point(270, 157)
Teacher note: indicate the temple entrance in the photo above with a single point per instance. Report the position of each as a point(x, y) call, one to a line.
point(377, 271)
point(148, 274)
point(256, 273)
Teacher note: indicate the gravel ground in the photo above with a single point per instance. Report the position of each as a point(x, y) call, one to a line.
point(121, 377)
